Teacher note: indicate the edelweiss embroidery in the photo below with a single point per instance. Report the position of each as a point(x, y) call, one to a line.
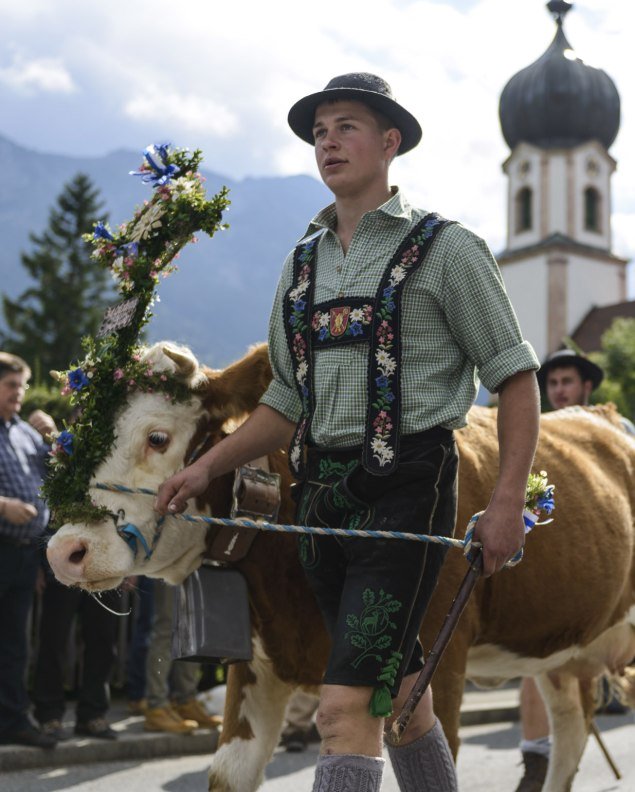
point(382, 427)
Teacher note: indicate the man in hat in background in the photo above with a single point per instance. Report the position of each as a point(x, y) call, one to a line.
point(567, 379)
point(383, 316)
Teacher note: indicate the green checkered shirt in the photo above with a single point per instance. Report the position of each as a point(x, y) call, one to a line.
point(457, 322)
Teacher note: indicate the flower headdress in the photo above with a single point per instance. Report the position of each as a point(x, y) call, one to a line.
point(137, 254)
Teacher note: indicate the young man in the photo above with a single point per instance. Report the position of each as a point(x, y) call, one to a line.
point(23, 519)
point(568, 379)
point(383, 315)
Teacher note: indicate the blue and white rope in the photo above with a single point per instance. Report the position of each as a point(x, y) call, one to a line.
point(463, 544)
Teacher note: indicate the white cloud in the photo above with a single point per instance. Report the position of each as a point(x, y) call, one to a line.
point(223, 78)
point(39, 75)
point(197, 114)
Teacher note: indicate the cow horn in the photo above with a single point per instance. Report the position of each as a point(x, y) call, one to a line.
point(185, 364)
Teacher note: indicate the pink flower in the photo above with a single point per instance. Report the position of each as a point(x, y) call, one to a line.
point(132, 383)
point(118, 374)
point(149, 373)
point(163, 378)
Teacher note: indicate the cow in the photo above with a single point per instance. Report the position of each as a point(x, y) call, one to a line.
point(564, 615)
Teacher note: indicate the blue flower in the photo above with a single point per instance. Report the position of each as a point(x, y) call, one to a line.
point(382, 382)
point(546, 502)
point(77, 379)
point(65, 442)
point(305, 390)
point(390, 306)
point(101, 232)
point(356, 328)
point(293, 320)
point(390, 396)
point(324, 331)
point(388, 291)
point(129, 249)
point(160, 172)
point(299, 305)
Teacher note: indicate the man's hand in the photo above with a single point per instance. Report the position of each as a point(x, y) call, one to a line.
point(501, 531)
point(43, 423)
point(17, 512)
point(176, 491)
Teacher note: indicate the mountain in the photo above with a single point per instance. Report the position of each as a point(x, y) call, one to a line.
point(218, 301)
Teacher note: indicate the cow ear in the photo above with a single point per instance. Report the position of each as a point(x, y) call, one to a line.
point(236, 390)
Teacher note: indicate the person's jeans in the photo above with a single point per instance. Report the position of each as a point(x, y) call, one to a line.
point(18, 570)
point(143, 612)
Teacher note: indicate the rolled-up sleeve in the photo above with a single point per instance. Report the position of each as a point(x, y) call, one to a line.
point(281, 395)
point(479, 313)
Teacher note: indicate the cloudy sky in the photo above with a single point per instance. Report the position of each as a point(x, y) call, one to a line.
point(87, 78)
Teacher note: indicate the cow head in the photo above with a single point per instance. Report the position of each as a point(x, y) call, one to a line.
point(153, 437)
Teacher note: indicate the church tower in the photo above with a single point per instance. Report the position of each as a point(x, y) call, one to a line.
point(559, 117)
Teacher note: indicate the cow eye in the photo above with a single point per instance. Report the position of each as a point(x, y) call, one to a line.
point(158, 439)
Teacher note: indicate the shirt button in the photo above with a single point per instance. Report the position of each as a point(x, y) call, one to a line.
point(340, 295)
point(338, 268)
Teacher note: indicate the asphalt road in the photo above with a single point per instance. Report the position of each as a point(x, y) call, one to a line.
point(488, 762)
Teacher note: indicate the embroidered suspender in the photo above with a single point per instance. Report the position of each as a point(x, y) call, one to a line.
point(375, 320)
point(381, 442)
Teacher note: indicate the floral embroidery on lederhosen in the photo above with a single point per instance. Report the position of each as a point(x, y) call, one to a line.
point(373, 320)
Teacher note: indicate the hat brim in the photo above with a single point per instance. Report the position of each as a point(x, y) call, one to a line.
point(588, 370)
point(302, 115)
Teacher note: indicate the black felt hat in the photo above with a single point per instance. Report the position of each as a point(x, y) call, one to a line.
point(567, 357)
point(361, 87)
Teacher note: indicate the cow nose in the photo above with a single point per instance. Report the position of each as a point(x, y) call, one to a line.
point(67, 560)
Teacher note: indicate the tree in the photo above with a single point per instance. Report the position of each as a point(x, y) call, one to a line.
point(70, 291)
point(617, 358)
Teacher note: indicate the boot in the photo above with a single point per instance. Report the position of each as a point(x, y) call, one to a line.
point(193, 710)
point(165, 719)
point(535, 772)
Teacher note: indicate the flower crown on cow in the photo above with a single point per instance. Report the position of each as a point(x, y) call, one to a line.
point(137, 254)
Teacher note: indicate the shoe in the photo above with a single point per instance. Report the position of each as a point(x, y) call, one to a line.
point(29, 736)
point(193, 710)
point(294, 742)
point(96, 727)
point(535, 772)
point(137, 706)
point(54, 729)
point(165, 719)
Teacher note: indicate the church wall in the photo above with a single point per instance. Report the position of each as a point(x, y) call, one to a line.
point(591, 284)
point(527, 286)
point(592, 169)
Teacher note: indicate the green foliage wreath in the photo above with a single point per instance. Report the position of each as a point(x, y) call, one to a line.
point(138, 254)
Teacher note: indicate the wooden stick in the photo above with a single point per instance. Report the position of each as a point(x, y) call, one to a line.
point(593, 728)
point(445, 633)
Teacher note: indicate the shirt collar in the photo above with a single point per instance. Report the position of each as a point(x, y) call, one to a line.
point(396, 206)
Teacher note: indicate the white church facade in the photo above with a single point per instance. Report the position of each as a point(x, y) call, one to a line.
point(559, 117)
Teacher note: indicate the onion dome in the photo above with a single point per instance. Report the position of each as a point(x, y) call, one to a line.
point(559, 101)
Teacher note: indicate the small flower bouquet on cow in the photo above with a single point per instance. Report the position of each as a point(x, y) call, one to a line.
point(538, 499)
point(137, 254)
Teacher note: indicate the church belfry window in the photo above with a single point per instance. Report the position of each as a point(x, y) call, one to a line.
point(591, 209)
point(524, 210)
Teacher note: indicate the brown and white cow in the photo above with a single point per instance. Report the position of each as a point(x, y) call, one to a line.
point(564, 615)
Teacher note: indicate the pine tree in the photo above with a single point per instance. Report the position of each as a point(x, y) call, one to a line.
point(70, 291)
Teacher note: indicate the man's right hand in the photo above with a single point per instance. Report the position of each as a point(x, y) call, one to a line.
point(18, 512)
point(178, 489)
